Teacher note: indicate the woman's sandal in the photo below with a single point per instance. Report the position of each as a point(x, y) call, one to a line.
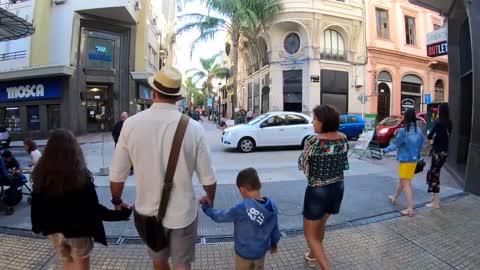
point(406, 213)
point(393, 201)
point(312, 263)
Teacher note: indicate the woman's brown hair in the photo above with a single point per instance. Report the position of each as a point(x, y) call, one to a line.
point(31, 145)
point(329, 116)
point(62, 167)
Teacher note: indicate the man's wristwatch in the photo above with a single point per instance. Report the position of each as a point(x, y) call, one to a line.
point(116, 201)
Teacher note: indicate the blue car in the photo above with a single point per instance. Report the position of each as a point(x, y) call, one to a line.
point(351, 125)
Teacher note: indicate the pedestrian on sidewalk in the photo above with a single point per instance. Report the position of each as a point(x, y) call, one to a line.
point(153, 140)
point(440, 135)
point(323, 161)
point(409, 142)
point(118, 127)
point(255, 222)
point(65, 205)
point(31, 147)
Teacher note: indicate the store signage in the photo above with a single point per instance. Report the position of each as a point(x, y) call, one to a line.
point(428, 98)
point(30, 90)
point(314, 78)
point(408, 104)
point(437, 43)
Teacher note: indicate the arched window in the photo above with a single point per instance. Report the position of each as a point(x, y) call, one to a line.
point(384, 76)
point(439, 91)
point(333, 46)
point(411, 97)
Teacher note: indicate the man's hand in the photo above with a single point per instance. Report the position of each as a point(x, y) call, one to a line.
point(122, 205)
point(206, 200)
point(274, 249)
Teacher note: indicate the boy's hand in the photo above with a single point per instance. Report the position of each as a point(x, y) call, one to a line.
point(274, 249)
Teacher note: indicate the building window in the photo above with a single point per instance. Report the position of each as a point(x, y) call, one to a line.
point(436, 27)
point(265, 99)
point(334, 89)
point(292, 90)
point(439, 91)
point(53, 116)
point(411, 96)
point(256, 98)
point(250, 96)
point(410, 35)
point(292, 43)
point(33, 118)
point(333, 46)
point(12, 119)
point(382, 24)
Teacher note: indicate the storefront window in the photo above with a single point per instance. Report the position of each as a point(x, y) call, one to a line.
point(33, 118)
point(12, 119)
point(53, 116)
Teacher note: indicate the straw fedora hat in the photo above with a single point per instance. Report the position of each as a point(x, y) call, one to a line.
point(167, 81)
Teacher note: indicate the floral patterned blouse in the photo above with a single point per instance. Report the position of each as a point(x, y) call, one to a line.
point(323, 161)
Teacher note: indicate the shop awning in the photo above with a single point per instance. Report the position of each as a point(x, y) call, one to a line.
point(140, 76)
point(13, 27)
point(37, 72)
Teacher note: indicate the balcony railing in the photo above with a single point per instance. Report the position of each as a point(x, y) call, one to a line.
point(13, 55)
point(333, 54)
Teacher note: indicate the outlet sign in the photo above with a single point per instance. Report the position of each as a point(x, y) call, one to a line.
point(30, 90)
point(437, 42)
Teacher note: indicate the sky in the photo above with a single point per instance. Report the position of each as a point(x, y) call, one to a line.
point(202, 50)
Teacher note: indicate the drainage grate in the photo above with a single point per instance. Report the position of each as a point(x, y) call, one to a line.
point(221, 239)
point(113, 240)
point(132, 241)
point(290, 233)
point(19, 232)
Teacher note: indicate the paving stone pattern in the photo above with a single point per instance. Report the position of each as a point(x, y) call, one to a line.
point(447, 238)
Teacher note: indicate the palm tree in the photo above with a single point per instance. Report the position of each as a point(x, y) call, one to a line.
point(196, 96)
point(210, 70)
point(234, 17)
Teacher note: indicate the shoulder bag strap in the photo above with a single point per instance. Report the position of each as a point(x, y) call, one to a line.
point(172, 165)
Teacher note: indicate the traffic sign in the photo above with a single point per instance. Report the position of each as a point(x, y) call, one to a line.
point(428, 98)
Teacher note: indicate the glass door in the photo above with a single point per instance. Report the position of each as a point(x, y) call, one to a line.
point(98, 115)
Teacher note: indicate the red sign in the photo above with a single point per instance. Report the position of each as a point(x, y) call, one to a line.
point(437, 49)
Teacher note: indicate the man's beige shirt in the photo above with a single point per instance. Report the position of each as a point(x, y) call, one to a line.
point(145, 143)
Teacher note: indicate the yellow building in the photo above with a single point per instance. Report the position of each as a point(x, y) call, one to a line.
point(86, 63)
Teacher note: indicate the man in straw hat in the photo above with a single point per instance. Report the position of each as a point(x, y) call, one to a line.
point(146, 142)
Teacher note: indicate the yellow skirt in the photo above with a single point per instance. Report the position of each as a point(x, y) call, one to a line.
point(407, 170)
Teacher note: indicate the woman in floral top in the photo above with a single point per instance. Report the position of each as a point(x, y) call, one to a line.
point(323, 162)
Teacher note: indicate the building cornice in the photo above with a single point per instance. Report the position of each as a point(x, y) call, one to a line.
point(37, 72)
point(399, 54)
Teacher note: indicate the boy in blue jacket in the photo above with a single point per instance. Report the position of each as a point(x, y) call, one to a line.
point(255, 222)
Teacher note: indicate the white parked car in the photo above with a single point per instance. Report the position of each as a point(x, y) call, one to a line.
point(269, 129)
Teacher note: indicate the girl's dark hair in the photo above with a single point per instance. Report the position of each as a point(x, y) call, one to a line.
point(62, 167)
point(410, 117)
point(329, 117)
point(31, 145)
point(444, 115)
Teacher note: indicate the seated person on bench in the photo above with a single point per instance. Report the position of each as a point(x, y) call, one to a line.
point(12, 165)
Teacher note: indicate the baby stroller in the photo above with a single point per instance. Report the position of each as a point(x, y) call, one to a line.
point(12, 195)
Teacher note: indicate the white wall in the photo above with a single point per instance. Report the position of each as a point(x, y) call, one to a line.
point(24, 10)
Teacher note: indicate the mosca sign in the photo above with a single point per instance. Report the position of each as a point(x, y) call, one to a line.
point(437, 42)
point(29, 90)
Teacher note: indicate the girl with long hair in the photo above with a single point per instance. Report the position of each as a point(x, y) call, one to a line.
point(440, 134)
point(409, 142)
point(65, 204)
point(31, 147)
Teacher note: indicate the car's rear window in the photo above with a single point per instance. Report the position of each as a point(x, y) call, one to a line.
point(391, 121)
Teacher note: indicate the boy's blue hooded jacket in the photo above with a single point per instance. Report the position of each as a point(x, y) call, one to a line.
point(255, 226)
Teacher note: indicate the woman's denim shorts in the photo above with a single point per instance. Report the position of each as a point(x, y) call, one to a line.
point(322, 200)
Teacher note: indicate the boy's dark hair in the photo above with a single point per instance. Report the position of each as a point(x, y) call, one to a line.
point(248, 178)
point(7, 154)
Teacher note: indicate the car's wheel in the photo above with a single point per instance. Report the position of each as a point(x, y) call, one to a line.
point(246, 145)
point(6, 145)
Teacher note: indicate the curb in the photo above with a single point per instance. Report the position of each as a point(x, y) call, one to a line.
point(206, 240)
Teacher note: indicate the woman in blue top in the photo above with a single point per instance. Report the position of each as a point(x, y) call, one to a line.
point(409, 142)
point(440, 135)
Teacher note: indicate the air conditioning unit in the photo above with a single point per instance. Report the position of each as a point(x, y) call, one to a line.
point(59, 2)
